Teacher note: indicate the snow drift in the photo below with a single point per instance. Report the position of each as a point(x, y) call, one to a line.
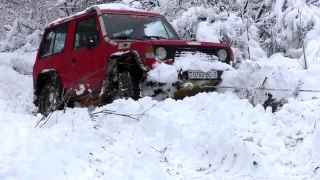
point(165, 73)
point(208, 136)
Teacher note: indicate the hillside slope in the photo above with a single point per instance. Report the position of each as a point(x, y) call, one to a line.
point(209, 136)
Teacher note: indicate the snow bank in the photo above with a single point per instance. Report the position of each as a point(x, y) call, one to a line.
point(59, 152)
point(6, 57)
point(199, 61)
point(197, 137)
point(163, 73)
point(18, 61)
point(54, 152)
point(282, 76)
point(169, 73)
point(208, 136)
point(16, 90)
point(16, 82)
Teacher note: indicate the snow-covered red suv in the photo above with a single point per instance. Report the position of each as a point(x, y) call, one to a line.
point(107, 52)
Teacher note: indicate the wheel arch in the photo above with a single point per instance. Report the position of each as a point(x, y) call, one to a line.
point(133, 56)
point(119, 62)
point(42, 79)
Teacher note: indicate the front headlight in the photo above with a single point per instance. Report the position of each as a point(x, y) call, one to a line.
point(222, 54)
point(161, 53)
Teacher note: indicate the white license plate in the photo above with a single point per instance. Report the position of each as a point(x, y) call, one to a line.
point(202, 75)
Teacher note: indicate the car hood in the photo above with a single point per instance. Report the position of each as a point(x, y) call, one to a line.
point(186, 43)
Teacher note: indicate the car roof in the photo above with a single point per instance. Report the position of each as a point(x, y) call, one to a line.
point(131, 12)
point(115, 8)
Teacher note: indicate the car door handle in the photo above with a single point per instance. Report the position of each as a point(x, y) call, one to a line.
point(74, 60)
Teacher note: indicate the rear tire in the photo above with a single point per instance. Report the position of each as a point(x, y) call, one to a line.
point(127, 86)
point(49, 99)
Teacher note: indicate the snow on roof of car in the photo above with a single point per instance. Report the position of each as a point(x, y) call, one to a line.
point(117, 6)
point(103, 7)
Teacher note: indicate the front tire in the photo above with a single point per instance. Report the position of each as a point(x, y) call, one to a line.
point(49, 99)
point(127, 86)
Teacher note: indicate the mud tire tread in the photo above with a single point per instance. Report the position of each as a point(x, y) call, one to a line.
point(128, 87)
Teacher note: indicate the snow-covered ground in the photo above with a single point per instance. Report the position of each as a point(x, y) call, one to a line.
point(282, 76)
point(208, 136)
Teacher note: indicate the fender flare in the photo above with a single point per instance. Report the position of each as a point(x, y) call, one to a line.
point(114, 60)
point(135, 54)
point(44, 77)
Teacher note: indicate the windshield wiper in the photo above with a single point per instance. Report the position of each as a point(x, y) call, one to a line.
point(157, 37)
point(126, 37)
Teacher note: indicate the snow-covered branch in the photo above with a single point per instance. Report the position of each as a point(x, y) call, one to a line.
point(275, 25)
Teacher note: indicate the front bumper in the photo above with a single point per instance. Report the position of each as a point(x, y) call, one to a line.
point(191, 87)
point(180, 89)
point(186, 83)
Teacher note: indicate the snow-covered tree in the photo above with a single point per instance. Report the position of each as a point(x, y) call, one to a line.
point(254, 28)
point(23, 21)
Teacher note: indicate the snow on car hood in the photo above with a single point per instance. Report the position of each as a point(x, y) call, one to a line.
point(190, 43)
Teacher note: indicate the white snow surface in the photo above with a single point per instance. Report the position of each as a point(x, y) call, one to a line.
point(118, 6)
point(282, 76)
point(208, 136)
point(81, 90)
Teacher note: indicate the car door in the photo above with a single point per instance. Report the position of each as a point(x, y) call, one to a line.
point(52, 53)
point(86, 56)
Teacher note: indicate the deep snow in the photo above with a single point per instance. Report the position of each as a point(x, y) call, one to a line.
point(165, 73)
point(209, 136)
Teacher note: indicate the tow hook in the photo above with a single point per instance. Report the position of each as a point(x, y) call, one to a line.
point(177, 85)
point(188, 85)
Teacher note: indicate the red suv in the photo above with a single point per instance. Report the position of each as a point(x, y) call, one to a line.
point(106, 52)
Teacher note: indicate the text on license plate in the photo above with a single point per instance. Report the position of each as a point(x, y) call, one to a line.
point(202, 75)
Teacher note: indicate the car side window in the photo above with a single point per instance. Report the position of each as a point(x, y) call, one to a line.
point(47, 44)
point(59, 42)
point(54, 41)
point(86, 31)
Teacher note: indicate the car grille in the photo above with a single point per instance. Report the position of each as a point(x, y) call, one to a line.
point(209, 52)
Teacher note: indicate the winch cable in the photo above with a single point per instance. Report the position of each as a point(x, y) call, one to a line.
point(263, 89)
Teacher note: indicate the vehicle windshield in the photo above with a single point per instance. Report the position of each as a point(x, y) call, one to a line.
point(123, 26)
